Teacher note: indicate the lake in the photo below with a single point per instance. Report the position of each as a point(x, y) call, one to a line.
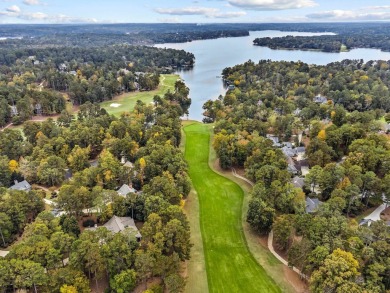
point(212, 56)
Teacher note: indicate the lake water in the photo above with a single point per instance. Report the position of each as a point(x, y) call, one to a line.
point(212, 56)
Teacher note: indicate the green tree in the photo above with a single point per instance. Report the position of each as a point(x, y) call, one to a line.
point(78, 158)
point(260, 216)
point(51, 171)
point(124, 281)
point(174, 283)
point(5, 172)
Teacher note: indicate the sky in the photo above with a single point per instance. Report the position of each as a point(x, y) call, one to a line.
point(191, 11)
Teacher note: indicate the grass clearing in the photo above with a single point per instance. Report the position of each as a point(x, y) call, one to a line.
point(127, 101)
point(230, 265)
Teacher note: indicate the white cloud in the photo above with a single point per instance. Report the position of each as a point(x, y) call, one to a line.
point(349, 15)
point(187, 11)
point(32, 2)
point(13, 9)
point(205, 11)
point(15, 12)
point(267, 5)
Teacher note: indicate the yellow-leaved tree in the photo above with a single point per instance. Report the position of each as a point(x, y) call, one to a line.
point(142, 165)
point(13, 165)
point(322, 134)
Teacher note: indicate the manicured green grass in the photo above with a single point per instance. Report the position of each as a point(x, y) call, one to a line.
point(196, 266)
point(229, 264)
point(128, 101)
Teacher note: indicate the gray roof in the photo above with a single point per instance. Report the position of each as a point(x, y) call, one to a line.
point(288, 152)
point(312, 204)
point(292, 169)
point(320, 99)
point(274, 138)
point(298, 182)
point(125, 189)
point(300, 150)
point(119, 224)
point(24, 186)
point(288, 144)
point(128, 164)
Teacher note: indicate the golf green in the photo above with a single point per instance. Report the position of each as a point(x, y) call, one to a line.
point(126, 102)
point(229, 264)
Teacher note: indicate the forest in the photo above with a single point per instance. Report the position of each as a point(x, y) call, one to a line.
point(338, 115)
point(371, 35)
point(47, 242)
point(361, 35)
point(41, 81)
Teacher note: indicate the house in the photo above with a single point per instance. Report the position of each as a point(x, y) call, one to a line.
point(125, 189)
point(289, 152)
point(14, 111)
point(298, 182)
point(312, 205)
point(304, 164)
point(120, 224)
point(23, 186)
point(126, 163)
point(292, 167)
point(62, 67)
point(275, 139)
point(301, 152)
point(260, 103)
point(3, 253)
point(297, 112)
point(287, 144)
point(320, 99)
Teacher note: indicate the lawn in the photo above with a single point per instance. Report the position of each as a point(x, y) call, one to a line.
point(229, 264)
point(126, 102)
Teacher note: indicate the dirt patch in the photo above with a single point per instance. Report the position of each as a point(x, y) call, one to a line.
point(295, 280)
point(148, 284)
point(102, 284)
point(263, 240)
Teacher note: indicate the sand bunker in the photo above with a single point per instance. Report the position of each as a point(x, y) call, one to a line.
point(115, 105)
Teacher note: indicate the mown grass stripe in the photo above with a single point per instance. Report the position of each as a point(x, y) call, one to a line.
point(229, 264)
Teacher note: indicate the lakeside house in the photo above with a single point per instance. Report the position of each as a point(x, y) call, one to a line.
point(22, 186)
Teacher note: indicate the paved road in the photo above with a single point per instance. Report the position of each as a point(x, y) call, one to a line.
point(375, 215)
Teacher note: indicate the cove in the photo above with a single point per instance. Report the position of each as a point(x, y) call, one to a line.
point(212, 56)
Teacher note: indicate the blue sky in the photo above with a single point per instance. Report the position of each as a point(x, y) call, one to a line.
point(125, 11)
